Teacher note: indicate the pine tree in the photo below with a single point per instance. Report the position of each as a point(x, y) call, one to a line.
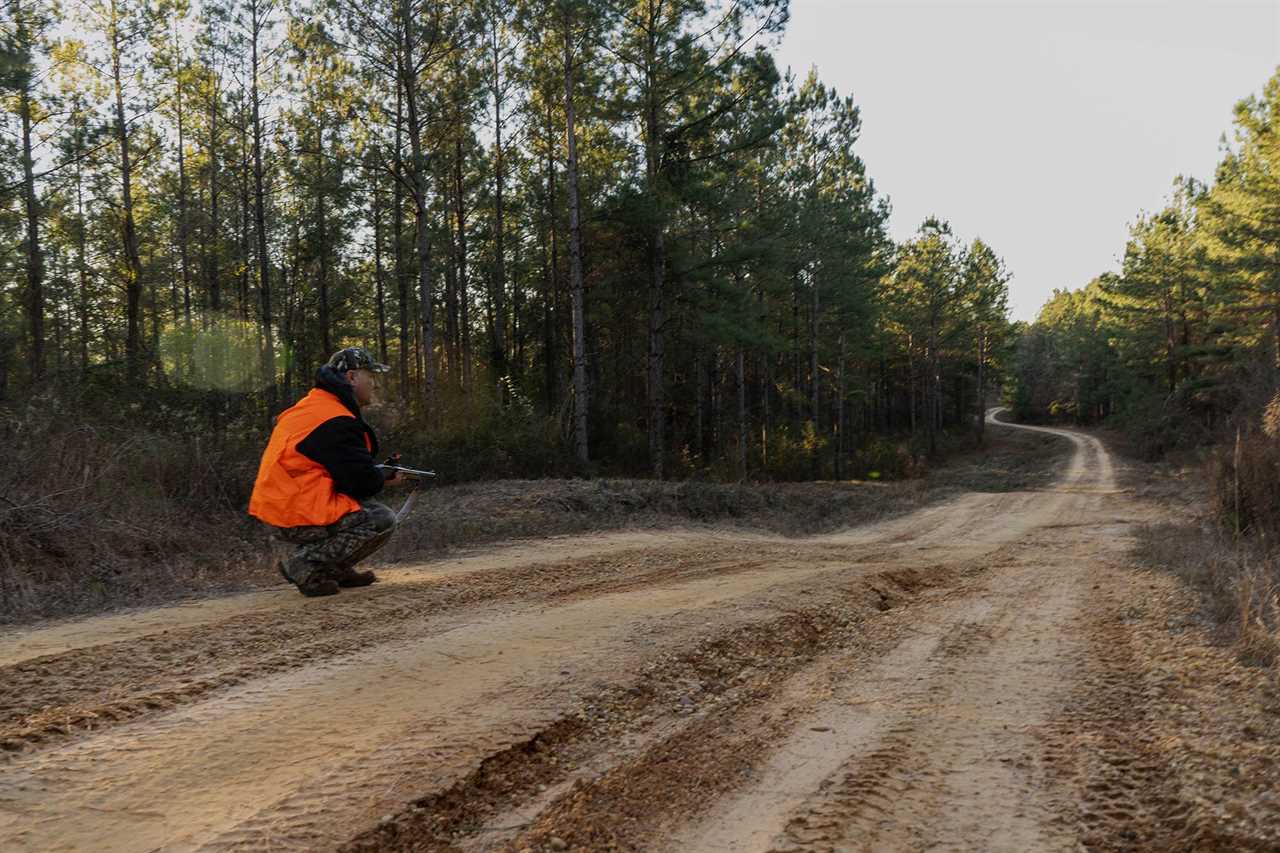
point(20, 53)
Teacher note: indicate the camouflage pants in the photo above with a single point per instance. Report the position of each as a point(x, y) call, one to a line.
point(333, 550)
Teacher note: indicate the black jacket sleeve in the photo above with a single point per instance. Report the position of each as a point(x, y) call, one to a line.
point(338, 445)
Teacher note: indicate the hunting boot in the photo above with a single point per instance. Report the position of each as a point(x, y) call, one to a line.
point(350, 577)
point(318, 585)
point(310, 580)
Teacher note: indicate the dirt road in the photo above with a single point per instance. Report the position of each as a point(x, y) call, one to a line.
point(985, 674)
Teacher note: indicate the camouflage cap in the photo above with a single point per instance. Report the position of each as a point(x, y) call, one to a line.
point(356, 358)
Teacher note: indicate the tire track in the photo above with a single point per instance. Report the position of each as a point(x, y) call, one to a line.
point(938, 744)
point(304, 755)
point(52, 700)
point(301, 728)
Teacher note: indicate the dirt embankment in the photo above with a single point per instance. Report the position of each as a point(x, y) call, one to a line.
point(987, 672)
point(479, 513)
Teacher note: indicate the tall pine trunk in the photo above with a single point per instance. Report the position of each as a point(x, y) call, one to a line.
point(260, 225)
point(289, 284)
point(379, 275)
point(82, 265)
point(841, 445)
point(184, 224)
point(418, 188)
point(35, 256)
point(452, 341)
point(397, 237)
point(212, 237)
point(498, 295)
point(551, 281)
point(655, 374)
point(581, 392)
point(981, 423)
point(518, 332)
point(322, 224)
point(242, 298)
point(911, 386)
point(460, 208)
point(933, 390)
point(133, 261)
point(813, 357)
point(740, 373)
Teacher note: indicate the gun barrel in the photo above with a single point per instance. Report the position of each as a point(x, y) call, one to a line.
point(409, 472)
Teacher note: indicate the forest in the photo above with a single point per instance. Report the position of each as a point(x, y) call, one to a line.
point(1180, 347)
point(600, 238)
point(590, 236)
point(714, 485)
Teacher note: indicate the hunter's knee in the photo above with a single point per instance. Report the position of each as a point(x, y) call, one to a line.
point(381, 516)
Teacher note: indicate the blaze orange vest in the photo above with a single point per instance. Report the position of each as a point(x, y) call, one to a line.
point(292, 490)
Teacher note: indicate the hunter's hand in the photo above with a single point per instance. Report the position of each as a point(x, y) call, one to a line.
point(396, 480)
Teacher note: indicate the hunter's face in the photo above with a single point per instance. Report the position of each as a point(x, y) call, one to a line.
point(364, 382)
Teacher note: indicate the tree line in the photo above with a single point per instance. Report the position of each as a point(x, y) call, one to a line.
point(1183, 342)
point(614, 222)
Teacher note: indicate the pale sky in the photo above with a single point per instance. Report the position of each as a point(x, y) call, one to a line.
point(1044, 128)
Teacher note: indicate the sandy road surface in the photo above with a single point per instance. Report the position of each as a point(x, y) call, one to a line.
point(951, 679)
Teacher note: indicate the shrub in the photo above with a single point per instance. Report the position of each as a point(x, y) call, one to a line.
point(477, 437)
point(1244, 479)
point(104, 500)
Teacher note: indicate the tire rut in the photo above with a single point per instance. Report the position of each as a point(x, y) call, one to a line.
point(52, 700)
point(674, 696)
point(47, 701)
point(283, 758)
point(908, 684)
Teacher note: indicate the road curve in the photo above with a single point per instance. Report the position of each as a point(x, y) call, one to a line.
point(892, 686)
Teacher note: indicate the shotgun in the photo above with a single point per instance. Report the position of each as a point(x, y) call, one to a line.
point(415, 476)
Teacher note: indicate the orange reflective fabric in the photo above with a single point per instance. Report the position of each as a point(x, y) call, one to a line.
point(292, 490)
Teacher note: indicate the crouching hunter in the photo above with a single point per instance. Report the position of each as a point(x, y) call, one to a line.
point(317, 479)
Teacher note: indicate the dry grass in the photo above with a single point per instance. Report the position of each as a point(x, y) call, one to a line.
point(1223, 541)
point(1238, 580)
point(1257, 593)
point(104, 511)
point(1244, 479)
